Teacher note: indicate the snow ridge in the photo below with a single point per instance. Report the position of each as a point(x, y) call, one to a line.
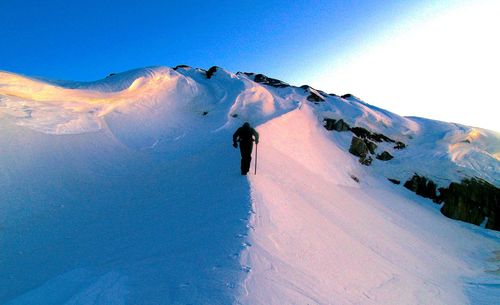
point(126, 191)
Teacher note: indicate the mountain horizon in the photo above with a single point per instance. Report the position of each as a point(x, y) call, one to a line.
point(126, 190)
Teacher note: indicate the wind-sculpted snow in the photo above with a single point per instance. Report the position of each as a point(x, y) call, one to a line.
point(138, 201)
point(87, 220)
point(83, 107)
point(321, 238)
point(140, 107)
point(126, 190)
point(445, 152)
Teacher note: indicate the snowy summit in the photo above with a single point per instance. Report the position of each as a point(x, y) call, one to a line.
point(127, 190)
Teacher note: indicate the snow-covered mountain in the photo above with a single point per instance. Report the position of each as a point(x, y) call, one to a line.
point(126, 190)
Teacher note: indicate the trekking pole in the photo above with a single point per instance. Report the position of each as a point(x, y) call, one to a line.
point(256, 146)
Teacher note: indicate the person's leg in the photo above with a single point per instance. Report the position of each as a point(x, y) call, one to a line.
point(247, 161)
point(246, 157)
point(243, 159)
point(242, 166)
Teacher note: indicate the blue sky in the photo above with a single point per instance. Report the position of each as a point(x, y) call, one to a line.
point(84, 40)
point(313, 42)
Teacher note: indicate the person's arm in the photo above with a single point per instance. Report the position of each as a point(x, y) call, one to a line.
point(256, 136)
point(236, 134)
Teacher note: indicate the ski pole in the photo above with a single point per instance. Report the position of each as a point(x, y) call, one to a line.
point(256, 149)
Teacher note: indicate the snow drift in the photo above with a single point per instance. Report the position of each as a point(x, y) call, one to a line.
point(126, 191)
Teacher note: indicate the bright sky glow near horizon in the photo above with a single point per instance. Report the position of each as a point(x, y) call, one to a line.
point(434, 59)
point(443, 64)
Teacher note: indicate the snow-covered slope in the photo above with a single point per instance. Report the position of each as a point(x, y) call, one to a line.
point(127, 191)
point(321, 238)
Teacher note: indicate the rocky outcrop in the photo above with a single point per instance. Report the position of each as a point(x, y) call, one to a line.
point(360, 149)
point(472, 200)
point(313, 97)
point(262, 79)
point(371, 146)
point(366, 160)
point(361, 132)
point(211, 71)
point(362, 143)
point(337, 125)
point(181, 67)
point(366, 134)
point(340, 125)
point(422, 186)
point(378, 137)
point(399, 145)
point(384, 156)
point(395, 181)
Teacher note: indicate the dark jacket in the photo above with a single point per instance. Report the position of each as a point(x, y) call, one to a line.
point(244, 134)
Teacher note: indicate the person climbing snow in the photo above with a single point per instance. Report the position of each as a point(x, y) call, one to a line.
point(246, 135)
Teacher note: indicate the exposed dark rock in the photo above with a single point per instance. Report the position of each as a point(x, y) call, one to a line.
point(262, 79)
point(384, 156)
point(378, 137)
point(211, 71)
point(234, 115)
point(366, 160)
point(110, 74)
point(329, 123)
point(472, 200)
point(399, 145)
point(204, 113)
point(366, 134)
point(358, 147)
point(355, 178)
point(181, 67)
point(395, 181)
point(466, 141)
point(371, 146)
point(361, 147)
point(422, 186)
point(313, 97)
point(333, 94)
point(276, 83)
point(361, 132)
point(338, 125)
point(348, 95)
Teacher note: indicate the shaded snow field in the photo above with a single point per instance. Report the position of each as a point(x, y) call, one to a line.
point(127, 191)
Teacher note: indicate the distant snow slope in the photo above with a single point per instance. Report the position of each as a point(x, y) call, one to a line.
point(127, 191)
